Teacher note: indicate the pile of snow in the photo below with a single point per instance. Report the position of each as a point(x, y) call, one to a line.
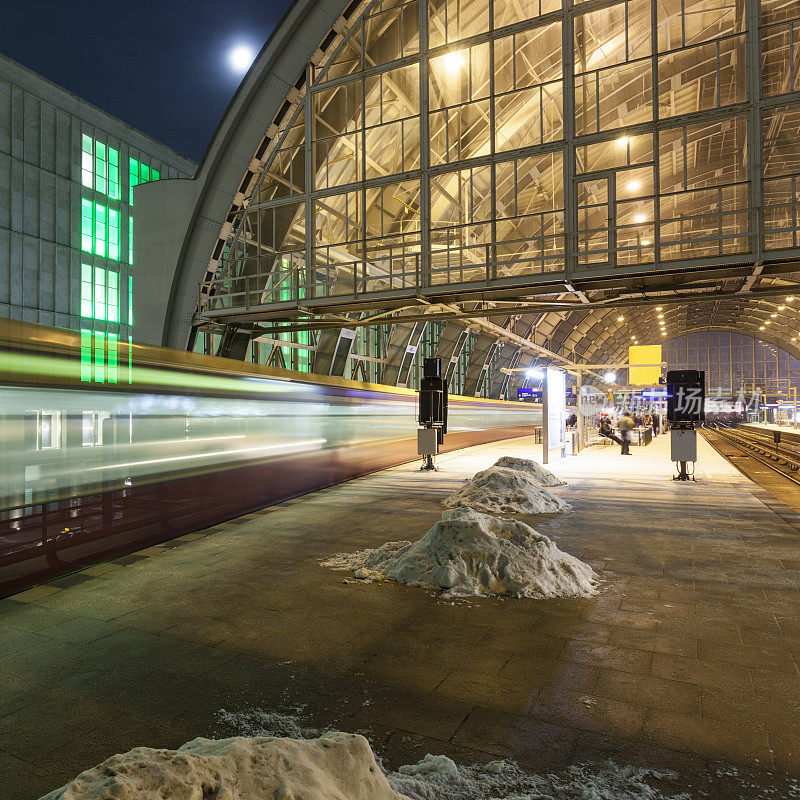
point(533, 469)
point(337, 766)
point(500, 780)
point(502, 490)
point(341, 766)
point(469, 553)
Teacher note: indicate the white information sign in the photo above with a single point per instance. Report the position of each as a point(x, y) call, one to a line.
point(554, 413)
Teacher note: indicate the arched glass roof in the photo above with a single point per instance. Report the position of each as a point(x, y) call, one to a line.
point(453, 155)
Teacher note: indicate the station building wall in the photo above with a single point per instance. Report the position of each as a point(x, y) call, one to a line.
point(67, 214)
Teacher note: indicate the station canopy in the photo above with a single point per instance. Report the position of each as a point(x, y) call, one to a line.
point(553, 171)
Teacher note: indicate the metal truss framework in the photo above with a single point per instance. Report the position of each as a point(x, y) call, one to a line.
point(530, 163)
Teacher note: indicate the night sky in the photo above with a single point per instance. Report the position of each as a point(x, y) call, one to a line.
point(159, 66)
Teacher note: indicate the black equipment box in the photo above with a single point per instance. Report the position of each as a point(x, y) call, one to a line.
point(686, 395)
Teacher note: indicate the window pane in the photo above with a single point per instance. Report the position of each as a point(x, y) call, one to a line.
point(86, 355)
point(113, 234)
point(99, 229)
point(86, 225)
point(86, 161)
point(112, 297)
point(99, 293)
point(100, 167)
point(86, 290)
point(113, 174)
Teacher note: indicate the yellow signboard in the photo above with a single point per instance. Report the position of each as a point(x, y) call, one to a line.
point(644, 354)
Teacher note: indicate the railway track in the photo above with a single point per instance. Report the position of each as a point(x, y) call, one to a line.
point(784, 459)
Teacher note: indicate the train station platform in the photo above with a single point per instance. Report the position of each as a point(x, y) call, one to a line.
point(686, 659)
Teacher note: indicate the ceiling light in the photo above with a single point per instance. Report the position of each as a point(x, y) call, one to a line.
point(661, 316)
point(768, 322)
point(639, 219)
point(773, 316)
point(789, 299)
point(620, 319)
point(534, 373)
point(634, 186)
point(780, 308)
point(454, 61)
point(645, 242)
point(610, 377)
point(623, 141)
point(761, 328)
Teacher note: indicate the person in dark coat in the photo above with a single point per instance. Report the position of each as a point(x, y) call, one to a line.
point(608, 431)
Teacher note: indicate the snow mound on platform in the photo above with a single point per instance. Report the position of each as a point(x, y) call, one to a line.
point(337, 766)
point(507, 491)
point(500, 780)
point(341, 766)
point(531, 468)
point(469, 553)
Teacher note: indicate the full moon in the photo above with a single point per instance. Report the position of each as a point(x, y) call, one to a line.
point(241, 57)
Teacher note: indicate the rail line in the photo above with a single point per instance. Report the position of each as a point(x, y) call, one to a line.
point(784, 460)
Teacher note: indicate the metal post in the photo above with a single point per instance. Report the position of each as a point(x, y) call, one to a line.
point(424, 151)
point(308, 121)
point(570, 186)
point(754, 131)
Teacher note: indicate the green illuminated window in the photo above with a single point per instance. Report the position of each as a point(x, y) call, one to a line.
point(112, 297)
point(99, 229)
point(86, 355)
point(100, 166)
point(130, 359)
point(112, 358)
point(87, 225)
point(99, 357)
point(113, 174)
point(130, 240)
point(86, 161)
point(113, 234)
point(99, 294)
point(130, 300)
point(139, 172)
point(86, 290)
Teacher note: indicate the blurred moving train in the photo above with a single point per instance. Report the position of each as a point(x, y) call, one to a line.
point(108, 446)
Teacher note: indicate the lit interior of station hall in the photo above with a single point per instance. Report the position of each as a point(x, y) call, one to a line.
point(436, 437)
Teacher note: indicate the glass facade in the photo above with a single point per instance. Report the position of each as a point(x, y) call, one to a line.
point(448, 144)
point(733, 361)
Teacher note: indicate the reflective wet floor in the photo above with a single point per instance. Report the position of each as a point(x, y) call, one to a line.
point(687, 658)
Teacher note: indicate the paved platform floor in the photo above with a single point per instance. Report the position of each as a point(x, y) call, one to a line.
point(687, 657)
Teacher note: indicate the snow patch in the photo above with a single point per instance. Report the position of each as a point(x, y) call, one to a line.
point(469, 553)
point(506, 781)
point(531, 468)
point(336, 766)
point(499, 490)
point(259, 723)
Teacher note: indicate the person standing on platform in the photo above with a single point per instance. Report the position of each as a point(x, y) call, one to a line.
point(626, 425)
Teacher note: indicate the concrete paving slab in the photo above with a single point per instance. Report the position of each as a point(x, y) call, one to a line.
point(687, 657)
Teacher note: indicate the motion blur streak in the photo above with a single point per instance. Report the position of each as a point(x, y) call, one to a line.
point(295, 447)
point(102, 452)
